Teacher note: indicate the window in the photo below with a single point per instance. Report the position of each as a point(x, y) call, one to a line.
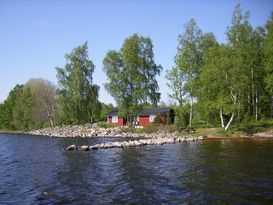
point(114, 119)
point(151, 118)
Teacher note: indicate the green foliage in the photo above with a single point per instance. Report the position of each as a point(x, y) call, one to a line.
point(157, 120)
point(267, 51)
point(224, 82)
point(181, 119)
point(155, 127)
point(29, 106)
point(104, 125)
point(176, 81)
point(253, 126)
point(183, 79)
point(105, 109)
point(7, 108)
point(77, 95)
point(132, 75)
point(44, 109)
point(22, 111)
point(218, 84)
point(169, 120)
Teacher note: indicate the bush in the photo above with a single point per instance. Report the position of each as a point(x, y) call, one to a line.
point(104, 125)
point(253, 126)
point(157, 127)
point(181, 117)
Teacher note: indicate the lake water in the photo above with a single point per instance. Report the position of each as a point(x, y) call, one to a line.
point(37, 170)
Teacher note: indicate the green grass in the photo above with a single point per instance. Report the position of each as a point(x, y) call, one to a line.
point(150, 128)
point(5, 131)
point(208, 132)
point(253, 127)
point(104, 125)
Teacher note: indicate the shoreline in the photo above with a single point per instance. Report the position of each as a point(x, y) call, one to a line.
point(90, 131)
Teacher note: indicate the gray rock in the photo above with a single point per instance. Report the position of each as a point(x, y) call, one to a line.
point(71, 147)
point(83, 148)
point(93, 147)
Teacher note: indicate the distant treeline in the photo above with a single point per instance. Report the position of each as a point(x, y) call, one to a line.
point(212, 83)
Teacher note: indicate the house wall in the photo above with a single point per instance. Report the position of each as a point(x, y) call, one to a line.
point(162, 119)
point(121, 121)
point(144, 120)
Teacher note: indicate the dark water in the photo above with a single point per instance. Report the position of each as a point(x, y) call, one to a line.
point(36, 170)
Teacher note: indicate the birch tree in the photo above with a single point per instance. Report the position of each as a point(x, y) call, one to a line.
point(132, 73)
point(187, 64)
point(219, 84)
point(246, 44)
point(44, 108)
point(77, 94)
point(267, 50)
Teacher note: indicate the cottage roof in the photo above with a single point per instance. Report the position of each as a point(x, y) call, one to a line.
point(113, 113)
point(146, 111)
point(155, 111)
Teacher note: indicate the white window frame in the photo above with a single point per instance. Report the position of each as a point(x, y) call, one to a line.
point(114, 119)
point(151, 118)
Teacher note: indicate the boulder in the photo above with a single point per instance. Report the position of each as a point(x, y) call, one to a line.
point(83, 148)
point(93, 147)
point(71, 147)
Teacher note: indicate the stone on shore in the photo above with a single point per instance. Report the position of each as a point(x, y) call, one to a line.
point(89, 131)
point(264, 134)
point(83, 148)
point(71, 147)
point(135, 143)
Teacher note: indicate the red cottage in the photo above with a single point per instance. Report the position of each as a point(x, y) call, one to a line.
point(148, 115)
point(114, 119)
point(144, 118)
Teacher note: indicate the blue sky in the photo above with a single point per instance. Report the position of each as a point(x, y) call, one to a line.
point(35, 35)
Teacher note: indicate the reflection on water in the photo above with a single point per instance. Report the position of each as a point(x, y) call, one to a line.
point(37, 170)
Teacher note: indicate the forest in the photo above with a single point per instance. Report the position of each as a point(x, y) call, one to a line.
point(213, 84)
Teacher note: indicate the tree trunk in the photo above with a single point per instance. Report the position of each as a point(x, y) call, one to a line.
point(254, 96)
point(238, 113)
point(256, 105)
point(222, 119)
point(191, 103)
point(272, 106)
point(252, 91)
point(229, 122)
point(248, 104)
point(51, 122)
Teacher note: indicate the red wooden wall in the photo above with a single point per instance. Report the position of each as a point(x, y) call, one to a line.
point(121, 121)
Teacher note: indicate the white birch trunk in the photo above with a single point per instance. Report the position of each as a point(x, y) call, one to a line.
point(191, 112)
point(229, 122)
point(256, 105)
point(272, 106)
point(222, 119)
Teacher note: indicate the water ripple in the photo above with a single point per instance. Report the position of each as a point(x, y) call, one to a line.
point(37, 170)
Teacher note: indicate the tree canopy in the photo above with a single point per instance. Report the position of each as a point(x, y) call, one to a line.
point(219, 84)
point(132, 74)
point(77, 94)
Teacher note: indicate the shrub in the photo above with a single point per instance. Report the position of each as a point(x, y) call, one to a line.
point(104, 125)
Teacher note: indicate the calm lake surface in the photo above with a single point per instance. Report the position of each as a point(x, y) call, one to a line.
point(36, 170)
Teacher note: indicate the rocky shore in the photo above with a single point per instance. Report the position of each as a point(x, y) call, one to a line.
point(264, 135)
point(76, 131)
point(88, 131)
point(134, 143)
